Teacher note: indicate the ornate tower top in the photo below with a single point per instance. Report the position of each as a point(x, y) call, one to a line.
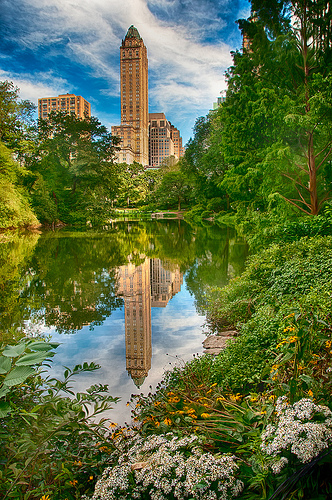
point(133, 33)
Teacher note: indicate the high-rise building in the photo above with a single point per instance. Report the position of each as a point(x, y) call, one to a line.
point(67, 103)
point(134, 128)
point(164, 140)
point(160, 139)
point(179, 150)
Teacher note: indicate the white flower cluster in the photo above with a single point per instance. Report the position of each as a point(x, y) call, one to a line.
point(164, 467)
point(303, 428)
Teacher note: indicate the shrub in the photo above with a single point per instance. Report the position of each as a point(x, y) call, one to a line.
point(50, 441)
point(168, 467)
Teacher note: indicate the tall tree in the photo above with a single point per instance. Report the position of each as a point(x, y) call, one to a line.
point(289, 47)
point(73, 167)
point(203, 161)
point(16, 118)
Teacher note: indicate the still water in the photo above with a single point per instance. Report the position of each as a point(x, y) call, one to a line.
point(130, 298)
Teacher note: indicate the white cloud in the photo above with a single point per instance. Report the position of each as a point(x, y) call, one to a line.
point(37, 85)
point(186, 75)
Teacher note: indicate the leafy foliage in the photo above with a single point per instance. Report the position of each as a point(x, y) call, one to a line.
point(74, 171)
point(50, 441)
point(15, 209)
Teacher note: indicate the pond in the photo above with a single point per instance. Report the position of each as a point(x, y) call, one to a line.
point(130, 298)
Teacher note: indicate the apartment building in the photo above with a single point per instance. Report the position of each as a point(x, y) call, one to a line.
point(164, 140)
point(67, 103)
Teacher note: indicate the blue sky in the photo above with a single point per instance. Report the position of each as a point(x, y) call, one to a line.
point(48, 47)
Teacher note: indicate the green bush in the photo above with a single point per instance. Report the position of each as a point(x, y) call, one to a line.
point(50, 443)
point(277, 281)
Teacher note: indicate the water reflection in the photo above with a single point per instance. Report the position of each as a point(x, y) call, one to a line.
point(123, 298)
point(145, 286)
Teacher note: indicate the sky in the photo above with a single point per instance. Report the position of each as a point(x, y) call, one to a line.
point(51, 47)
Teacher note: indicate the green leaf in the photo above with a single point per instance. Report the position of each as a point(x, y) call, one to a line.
point(32, 358)
point(4, 409)
point(5, 364)
point(13, 351)
point(3, 391)
point(42, 346)
point(288, 356)
point(18, 375)
point(308, 380)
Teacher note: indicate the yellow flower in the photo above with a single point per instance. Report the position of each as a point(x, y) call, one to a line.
point(157, 424)
point(90, 478)
point(45, 497)
point(175, 399)
point(236, 397)
point(205, 415)
point(310, 393)
point(113, 424)
point(213, 385)
point(289, 329)
point(73, 482)
point(328, 344)
point(263, 412)
point(221, 398)
point(168, 421)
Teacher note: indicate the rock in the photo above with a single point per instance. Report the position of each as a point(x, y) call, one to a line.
point(215, 343)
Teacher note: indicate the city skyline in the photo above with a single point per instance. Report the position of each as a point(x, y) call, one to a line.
point(58, 47)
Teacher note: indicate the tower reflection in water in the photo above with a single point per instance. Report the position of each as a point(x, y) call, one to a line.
point(151, 284)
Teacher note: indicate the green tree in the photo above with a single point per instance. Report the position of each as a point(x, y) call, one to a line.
point(276, 119)
point(15, 209)
point(203, 160)
point(174, 189)
point(74, 173)
point(134, 185)
point(16, 119)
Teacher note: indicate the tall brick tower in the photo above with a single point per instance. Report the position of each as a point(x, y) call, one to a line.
point(134, 128)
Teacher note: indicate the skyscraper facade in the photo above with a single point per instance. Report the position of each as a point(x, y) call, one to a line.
point(160, 141)
point(67, 103)
point(164, 140)
point(134, 128)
